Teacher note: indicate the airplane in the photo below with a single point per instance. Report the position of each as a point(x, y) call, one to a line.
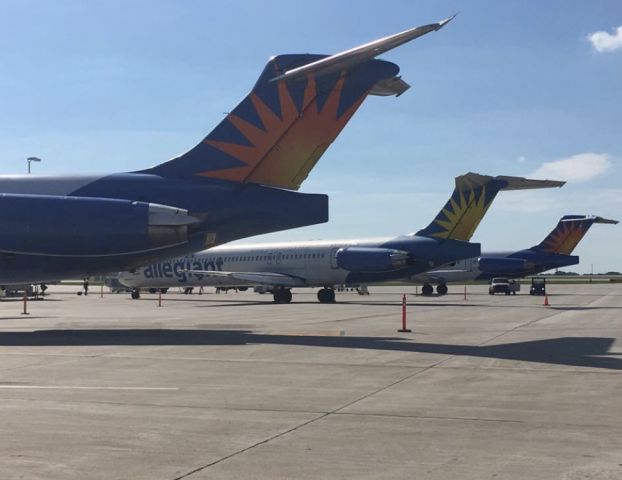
point(552, 252)
point(281, 266)
point(239, 181)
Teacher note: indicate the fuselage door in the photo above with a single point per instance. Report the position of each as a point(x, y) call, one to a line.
point(333, 258)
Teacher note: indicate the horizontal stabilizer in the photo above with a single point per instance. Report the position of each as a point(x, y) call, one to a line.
point(258, 278)
point(593, 218)
point(521, 183)
point(470, 200)
point(357, 55)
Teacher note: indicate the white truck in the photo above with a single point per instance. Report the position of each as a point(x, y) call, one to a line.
point(503, 285)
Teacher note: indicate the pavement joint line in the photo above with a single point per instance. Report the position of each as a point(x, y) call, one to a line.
point(78, 387)
point(237, 360)
point(397, 382)
point(323, 414)
point(309, 422)
point(522, 325)
point(250, 447)
point(419, 372)
point(478, 419)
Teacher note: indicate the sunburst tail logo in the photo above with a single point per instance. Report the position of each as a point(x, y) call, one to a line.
point(465, 209)
point(566, 235)
point(276, 135)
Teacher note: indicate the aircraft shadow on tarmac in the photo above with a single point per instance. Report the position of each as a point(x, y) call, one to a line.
point(572, 351)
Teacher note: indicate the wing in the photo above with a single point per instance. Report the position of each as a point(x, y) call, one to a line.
point(437, 276)
point(259, 278)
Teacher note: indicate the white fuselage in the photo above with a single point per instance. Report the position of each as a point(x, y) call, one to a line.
point(313, 261)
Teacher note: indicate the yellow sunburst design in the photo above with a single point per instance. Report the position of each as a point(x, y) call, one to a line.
point(566, 238)
point(463, 216)
point(283, 153)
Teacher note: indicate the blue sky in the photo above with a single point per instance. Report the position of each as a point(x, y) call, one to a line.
point(511, 88)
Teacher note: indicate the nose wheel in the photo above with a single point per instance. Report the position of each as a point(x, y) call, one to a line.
point(326, 295)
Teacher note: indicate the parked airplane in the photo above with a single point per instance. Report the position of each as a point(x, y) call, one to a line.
point(236, 183)
point(325, 264)
point(552, 252)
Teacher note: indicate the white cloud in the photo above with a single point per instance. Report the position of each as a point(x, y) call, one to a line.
point(606, 42)
point(521, 159)
point(577, 168)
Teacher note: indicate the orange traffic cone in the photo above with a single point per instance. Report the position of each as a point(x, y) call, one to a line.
point(546, 301)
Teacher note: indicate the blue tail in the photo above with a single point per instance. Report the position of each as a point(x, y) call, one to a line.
point(276, 135)
point(299, 105)
point(568, 233)
point(470, 200)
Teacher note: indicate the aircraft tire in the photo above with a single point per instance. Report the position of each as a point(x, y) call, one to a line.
point(441, 289)
point(135, 294)
point(282, 295)
point(288, 295)
point(326, 295)
point(427, 289)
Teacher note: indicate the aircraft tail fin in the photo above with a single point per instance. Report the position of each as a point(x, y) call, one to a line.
point(299, 105)
point(568, 233)
point(470, 200)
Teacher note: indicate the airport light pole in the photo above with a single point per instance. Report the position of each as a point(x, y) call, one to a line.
point(30, 160)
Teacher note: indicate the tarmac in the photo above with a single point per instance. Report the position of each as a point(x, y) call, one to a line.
point(219, 386)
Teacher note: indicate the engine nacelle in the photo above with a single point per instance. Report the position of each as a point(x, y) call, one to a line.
point(506, 266)
point(362, 259)
point(82, 226)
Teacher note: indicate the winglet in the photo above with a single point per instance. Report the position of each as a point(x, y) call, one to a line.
point(360, 54)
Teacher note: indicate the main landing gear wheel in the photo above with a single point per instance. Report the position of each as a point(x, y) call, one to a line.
point(282, 295)
point(135, 294)
point(326, 295)
point(441, 289)
point(427, 289)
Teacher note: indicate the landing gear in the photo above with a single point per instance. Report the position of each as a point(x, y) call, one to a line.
point(326, 295)
point(441, 289)
point(282, 295)
point(427, 289)
point(135, 294)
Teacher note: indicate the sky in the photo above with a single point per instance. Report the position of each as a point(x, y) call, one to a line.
point(523, 87)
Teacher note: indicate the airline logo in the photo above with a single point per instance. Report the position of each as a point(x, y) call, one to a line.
point(566, 236)
point(276, 135)
point(465, 208)
point(177, 269)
